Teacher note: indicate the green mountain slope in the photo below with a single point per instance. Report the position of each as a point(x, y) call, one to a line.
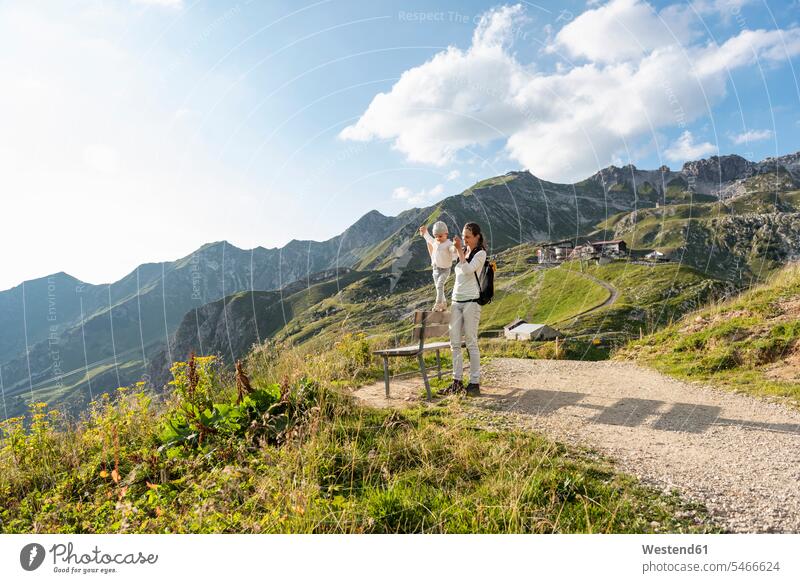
point(228, 328)
point(511, 209)
point(58, 333)
point(740, 239)
point(749, 343)
point(543, 296)
point(35, 309)
point(650, 297)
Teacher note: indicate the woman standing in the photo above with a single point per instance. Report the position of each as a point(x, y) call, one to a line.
point(465, 311)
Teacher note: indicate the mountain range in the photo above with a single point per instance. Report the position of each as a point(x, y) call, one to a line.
point(63, 340)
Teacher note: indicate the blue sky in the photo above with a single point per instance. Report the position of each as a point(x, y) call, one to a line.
point(137, 130)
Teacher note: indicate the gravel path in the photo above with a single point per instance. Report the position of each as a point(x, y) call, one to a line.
point(738, 455)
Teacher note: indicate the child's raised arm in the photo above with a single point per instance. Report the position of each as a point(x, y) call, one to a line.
point(423, 230)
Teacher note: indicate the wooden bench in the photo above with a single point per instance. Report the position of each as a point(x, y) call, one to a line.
point(426, 325)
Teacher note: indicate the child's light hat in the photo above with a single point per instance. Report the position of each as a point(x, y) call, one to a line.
point(439, 227)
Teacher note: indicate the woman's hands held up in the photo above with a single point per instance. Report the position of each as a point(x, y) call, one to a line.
point(457, 243)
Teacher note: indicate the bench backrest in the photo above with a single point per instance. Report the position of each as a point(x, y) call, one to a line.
point(430, 324)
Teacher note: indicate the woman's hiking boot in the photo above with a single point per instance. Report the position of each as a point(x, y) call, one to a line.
point(454, 388)
point(473, 389)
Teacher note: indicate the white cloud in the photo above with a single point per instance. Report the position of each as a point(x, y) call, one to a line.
point(450, 102)
point(452, 175)
point(752, 136)
point(420, 197)
point(746, 48)
point(685, 148)
point(619, 30)
point(638, 75)
point(496, 27)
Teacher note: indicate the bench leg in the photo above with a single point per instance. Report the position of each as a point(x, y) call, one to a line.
point(438, 365)
point(424, 374)
point(386, 374)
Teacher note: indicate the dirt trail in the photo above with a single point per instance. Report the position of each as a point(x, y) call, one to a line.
point(738, 455)
point(610, 300)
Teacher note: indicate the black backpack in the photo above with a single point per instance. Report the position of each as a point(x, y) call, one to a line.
point(486, 281)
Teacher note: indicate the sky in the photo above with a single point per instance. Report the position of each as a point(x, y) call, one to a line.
point(134, 131)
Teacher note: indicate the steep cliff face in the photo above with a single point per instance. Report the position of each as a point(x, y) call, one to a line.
point(229, 327)
point(772, 237)
point(735, 240)
point(629, 177)
point(717, 169)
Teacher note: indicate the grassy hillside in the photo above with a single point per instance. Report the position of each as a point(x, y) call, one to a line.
point(649, 297)
point(368, 306)
point(379, 304)
point(749, 343)
point(543, 296)
point(290, 454)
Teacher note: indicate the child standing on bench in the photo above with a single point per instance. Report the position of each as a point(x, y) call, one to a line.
point(442, 253)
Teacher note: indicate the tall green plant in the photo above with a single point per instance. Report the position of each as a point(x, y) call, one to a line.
point(265, 413)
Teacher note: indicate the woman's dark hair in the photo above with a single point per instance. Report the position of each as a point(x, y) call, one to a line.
point(475, 229)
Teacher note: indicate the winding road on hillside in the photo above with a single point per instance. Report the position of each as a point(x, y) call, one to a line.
point(614, 294)
point(736, 454)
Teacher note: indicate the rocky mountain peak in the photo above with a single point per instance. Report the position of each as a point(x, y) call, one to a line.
point(372, 218)
point(719, 169)
point(790, 162)
point(612, 175)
